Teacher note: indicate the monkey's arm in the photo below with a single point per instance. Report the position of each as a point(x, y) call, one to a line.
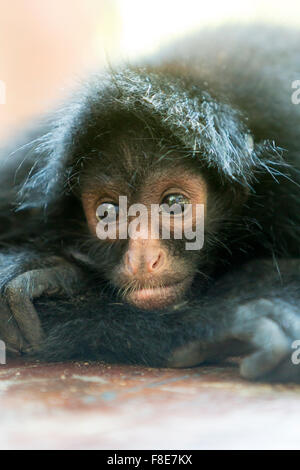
point(264, 329)
point(254, 310)
point(249, 311)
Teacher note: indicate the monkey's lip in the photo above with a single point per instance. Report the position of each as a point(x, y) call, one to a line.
point(157, 297)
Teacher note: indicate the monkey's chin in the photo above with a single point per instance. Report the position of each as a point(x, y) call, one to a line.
point(157, 298)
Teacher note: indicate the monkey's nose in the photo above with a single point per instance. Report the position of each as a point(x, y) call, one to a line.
point(144, 261)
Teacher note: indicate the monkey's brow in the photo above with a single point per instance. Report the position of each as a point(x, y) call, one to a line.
point(108, 183)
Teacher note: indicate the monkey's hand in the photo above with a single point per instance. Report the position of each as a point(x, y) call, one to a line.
point(266, 330)
point(20, 327)
point(271, 327)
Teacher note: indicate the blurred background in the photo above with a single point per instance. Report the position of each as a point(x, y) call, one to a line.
point(45, 45)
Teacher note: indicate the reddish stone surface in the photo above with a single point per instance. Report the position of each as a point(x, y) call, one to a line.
point(100, 406)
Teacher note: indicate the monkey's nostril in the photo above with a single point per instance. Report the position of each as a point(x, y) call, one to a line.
point(155, 263)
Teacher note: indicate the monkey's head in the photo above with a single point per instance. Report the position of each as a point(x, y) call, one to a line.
point(156, 140)
point(145, 200)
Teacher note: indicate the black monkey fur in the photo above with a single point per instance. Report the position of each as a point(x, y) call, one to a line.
point(222, 100)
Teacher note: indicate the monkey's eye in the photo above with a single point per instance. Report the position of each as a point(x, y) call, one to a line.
point(108, 211)
point(175, 203)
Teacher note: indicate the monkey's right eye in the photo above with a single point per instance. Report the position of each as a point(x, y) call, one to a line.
point(175, 202)
point(107, 212)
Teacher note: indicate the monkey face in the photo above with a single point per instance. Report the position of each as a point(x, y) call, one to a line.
point(153, 268)
point(146, 203)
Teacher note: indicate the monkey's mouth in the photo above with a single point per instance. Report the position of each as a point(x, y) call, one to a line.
point(160, 297)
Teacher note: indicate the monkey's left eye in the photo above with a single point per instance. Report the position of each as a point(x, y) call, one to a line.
point(108, 211)
point(175, 203)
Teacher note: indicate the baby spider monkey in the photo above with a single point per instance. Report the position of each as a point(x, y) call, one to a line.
point(203, 135)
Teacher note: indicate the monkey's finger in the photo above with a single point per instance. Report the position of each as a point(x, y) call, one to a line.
point(23, 310)
point(288, 317)
point(9, 331)
point(272, 346)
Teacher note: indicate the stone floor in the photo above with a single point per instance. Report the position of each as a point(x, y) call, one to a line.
point(98, 406)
